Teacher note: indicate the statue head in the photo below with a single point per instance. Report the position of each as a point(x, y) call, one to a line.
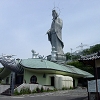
point(54, 14)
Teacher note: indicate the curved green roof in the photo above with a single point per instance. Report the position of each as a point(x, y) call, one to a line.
point(48, 65)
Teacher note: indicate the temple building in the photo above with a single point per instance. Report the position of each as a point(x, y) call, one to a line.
point(44, 72)
point(52, 71)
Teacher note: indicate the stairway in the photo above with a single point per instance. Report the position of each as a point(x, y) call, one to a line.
point(6, 92)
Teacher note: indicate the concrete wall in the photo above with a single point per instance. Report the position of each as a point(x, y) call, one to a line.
point(64, 81)
point(33, 87)
point(3, 88)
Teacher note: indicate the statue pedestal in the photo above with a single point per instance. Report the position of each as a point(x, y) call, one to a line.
point(59, 58)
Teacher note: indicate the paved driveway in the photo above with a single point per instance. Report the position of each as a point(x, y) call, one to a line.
point(76, 94)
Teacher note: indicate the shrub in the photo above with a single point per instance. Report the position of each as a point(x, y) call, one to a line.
point(55, 89)
point(48, 89)
point(64, 88)
point(16, 92)
point(25, 90)
point(42, 89)
point(71, 87)
point(34, 91)
point(38, 90)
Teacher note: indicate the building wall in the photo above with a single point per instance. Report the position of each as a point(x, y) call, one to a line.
point(4, 80)
point(97, 63)
point(47, 79)
point(40, 79)
point(76, 82)
point(64, 81)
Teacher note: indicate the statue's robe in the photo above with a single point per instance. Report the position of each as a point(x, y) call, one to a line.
point(55, 35)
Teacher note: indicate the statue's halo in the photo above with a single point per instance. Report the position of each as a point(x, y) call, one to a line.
point(57, 9)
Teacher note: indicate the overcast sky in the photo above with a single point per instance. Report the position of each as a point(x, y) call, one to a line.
point(24, 23)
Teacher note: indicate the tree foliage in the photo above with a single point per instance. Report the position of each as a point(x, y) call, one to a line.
point(82, 66)
point(1, 69)
point(92, 49)
point(76, 63)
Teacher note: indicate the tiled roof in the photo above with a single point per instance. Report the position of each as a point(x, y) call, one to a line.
point(48, 65)
point(90, 57)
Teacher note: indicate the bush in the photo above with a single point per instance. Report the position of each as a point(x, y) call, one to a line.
point(48, 89)
point(38, 90)
point(25, 90)
point(55, 89)
point(34, 91)
point(64, 88)
point(71, 87)
point(42, 89)
point(16, 92)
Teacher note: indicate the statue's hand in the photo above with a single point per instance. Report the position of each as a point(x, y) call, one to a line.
point(48, 32)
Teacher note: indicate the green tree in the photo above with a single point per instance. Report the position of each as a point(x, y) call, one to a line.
point(68, 56)
point(1, 69)
point(81, 66)
point(95, 48)
point(76, 63)
point(92, 49)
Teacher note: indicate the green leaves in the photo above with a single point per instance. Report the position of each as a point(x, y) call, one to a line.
point(81, 66)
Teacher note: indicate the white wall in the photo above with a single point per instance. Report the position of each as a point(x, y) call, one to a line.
point(33, 87)
point(63, 81)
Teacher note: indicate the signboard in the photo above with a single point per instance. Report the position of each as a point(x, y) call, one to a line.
point(92, 85)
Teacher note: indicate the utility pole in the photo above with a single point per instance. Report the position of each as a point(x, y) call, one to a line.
point(71, 53)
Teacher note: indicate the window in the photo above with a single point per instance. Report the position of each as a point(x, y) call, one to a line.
point(33, 79)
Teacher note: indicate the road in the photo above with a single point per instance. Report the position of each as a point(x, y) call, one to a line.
point(77, 94)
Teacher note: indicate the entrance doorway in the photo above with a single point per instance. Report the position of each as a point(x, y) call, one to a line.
point(52, 81)
point(74, 83)
point(7, 80)
point(18, 79)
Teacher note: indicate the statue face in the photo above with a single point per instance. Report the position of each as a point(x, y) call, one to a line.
point(54, 14)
